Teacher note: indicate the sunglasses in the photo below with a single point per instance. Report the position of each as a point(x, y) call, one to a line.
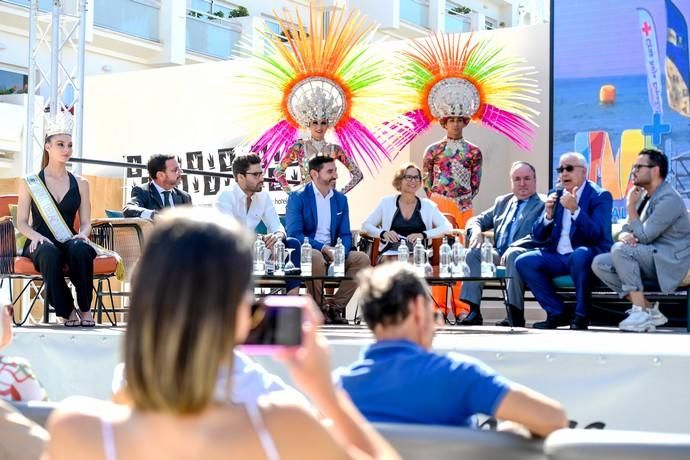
point(322, 123)
point(255, 174)
point(412, 178)
point(638, 167)
point(568, 168)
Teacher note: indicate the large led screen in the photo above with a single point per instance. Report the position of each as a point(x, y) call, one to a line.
point(620, 83)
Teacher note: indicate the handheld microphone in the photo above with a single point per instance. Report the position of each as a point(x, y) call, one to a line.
point(559, 190)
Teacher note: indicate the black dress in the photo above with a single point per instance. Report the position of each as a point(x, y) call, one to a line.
point(405, 227)
point(50, 260)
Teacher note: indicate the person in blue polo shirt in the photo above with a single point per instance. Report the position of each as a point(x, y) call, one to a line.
point(399, 380)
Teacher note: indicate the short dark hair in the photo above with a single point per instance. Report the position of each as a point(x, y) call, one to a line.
point(657, 158)
point(444, 120)
point(157, 163)
point(521, 163)
point(243, 162)
point(316, 163)
point(386, 292)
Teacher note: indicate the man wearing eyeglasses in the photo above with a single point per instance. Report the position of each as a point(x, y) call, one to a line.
point(399, 379)
point(248, 202)
point(511, 217)
point(653, 248)
point(574, 228)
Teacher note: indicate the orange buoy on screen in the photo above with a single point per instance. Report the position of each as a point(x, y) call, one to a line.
point(607, 94)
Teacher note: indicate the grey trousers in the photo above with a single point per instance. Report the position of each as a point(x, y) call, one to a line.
point(624, 268)
point(472, 291)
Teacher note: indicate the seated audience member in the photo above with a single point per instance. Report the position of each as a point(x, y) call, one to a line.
point(176, 346)
point(654, 245)
point(321, 213)
point(511, 218)
point(404, 214)
point(17, 380)
point(161, 191)
point(399, 380)
point(575, 227)
point(249, 382)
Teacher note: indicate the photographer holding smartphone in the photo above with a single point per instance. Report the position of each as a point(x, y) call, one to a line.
point(185, 323)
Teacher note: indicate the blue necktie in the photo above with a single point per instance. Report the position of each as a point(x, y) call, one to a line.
point(511, 228)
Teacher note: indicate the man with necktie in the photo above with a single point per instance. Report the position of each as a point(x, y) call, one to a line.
point(161, 192)
point(511, 217)
point(574, 228)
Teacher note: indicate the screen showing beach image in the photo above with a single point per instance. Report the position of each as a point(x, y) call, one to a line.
point(621, 75)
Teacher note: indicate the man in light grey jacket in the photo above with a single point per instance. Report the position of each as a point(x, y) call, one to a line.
point(511, 217)
point(654, 245)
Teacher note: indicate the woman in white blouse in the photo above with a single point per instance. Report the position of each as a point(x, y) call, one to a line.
point(404, 215)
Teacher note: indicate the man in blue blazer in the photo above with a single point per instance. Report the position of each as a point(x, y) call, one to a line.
point(319, 212)
point(575, 227)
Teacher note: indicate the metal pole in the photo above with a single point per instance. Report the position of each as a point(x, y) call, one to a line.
point(54, 58)
point(79, 109)
point(30, 94)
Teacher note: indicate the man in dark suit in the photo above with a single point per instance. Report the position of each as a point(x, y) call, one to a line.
point(575, 227)
point(511, 217)
point(161, 192)
point(319, 212)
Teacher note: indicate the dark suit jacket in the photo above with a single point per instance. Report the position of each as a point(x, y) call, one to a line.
point(145, 197)
point(592, 228)
point(497, 217)
point(301, 218)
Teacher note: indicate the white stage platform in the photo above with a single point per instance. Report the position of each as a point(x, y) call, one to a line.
point(627, 381)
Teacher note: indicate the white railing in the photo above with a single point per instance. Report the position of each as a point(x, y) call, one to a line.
point(415, 12)
point(211, 35)
point(139, 18)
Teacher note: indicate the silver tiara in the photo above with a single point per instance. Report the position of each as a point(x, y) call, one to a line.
point(316, 99)
point(61, 123)
point(453, 97)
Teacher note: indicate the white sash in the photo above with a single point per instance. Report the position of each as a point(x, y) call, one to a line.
point(56, 224)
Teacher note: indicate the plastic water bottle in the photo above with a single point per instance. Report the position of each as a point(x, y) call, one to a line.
point(488, 267)
point(279, 258)
point(444, 255)
point(419, 257)
point(259, 249)
point(403, 251)
point(339, 259)
point(458, 255)
point(305, 258)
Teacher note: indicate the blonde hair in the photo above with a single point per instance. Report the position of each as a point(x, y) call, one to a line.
point(193, 274)
point(400, 172)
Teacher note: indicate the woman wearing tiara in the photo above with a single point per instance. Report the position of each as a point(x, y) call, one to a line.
point(49, 203)
point(304, 150)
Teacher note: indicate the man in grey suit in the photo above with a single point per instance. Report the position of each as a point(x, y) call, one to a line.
point(654, 245)
point(511, 217)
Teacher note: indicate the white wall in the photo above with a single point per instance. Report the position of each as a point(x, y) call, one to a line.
point(180, 109)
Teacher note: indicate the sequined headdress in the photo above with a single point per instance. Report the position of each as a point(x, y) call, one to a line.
point(455, 79)
point(61, 123)
point(326, 71)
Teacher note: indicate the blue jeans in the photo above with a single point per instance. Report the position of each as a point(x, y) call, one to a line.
point(537, 268)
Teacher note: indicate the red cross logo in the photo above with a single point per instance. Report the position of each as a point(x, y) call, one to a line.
point(646, 29)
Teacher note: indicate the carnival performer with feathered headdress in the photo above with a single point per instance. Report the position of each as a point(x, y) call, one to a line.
point(320, 76)
point(458, 81)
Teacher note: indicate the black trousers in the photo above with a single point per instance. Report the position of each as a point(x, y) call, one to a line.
point(50, 259)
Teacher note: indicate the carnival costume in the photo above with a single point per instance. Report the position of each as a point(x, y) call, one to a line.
point(467, 80)
point(328, 73)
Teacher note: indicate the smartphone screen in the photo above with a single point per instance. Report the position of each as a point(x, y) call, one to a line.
point(276, 322)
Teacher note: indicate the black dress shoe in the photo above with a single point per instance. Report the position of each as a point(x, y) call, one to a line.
point(552, 322)
point(473, 319)
point(518, 318)
point(579, 324)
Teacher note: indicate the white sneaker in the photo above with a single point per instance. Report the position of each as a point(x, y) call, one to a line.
point(658, 318)
point(639, 320)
